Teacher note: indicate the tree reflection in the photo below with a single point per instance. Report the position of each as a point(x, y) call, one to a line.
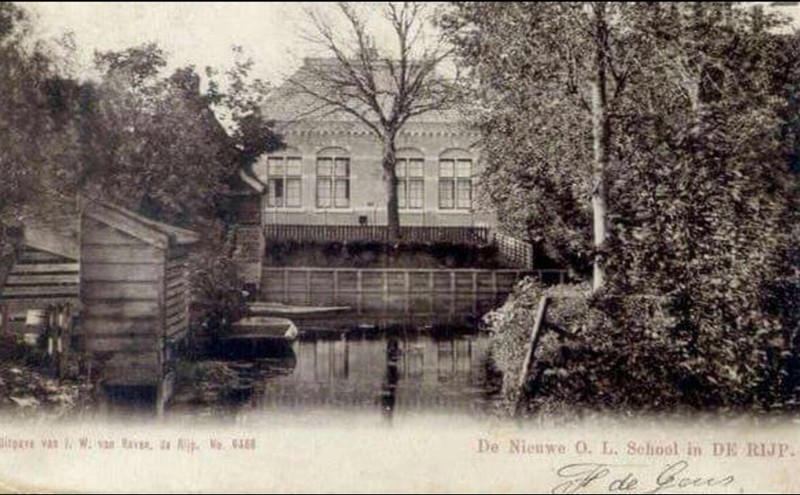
point(389, 387)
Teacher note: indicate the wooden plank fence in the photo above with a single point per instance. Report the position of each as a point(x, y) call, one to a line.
point(398, 291)
point(379, 233)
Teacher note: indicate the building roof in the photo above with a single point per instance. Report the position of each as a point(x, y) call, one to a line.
point(290, 104)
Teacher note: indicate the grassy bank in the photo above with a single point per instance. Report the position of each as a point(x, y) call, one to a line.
point(511, 325)
point(628, 355)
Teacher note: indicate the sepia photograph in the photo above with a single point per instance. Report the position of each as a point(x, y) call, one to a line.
point(400, 247)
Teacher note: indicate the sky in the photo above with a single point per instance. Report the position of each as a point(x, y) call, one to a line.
point(192, 33)
point(199, 33)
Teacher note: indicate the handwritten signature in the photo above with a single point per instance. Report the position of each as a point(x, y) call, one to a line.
point(621, 478)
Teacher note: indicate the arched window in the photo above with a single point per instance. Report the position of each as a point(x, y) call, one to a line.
point(410, 171)
point(282, 173)
point(455, 180)
point(333, 178)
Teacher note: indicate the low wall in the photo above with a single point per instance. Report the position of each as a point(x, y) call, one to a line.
point(436, 294)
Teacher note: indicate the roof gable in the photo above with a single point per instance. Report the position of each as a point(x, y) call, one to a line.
point(155, 233)
point(288, 103)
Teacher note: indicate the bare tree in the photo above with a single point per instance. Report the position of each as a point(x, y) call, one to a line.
point(382, 89)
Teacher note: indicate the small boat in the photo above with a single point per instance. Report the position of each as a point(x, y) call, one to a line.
point(296, 312)
point(263, 328)
point(257, 337)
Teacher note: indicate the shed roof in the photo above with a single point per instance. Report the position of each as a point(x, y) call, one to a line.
point(152, 232)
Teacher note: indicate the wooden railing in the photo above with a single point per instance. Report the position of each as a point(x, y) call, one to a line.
point(380, 233)
point(512, 251)
point(434, 293)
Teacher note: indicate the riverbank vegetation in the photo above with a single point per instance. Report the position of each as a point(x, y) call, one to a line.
point(698, 302)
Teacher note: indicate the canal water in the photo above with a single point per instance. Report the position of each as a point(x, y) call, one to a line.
point(384, 374)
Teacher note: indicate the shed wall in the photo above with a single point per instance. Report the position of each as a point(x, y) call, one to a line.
point(121, 290)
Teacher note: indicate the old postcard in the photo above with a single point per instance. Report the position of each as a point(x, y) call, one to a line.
point(400, 247)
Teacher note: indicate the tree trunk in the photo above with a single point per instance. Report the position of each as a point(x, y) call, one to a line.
point(390, 178)
point(600, 134)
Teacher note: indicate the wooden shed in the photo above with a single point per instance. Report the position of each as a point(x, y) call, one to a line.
point(41, 270)
point(134, 289)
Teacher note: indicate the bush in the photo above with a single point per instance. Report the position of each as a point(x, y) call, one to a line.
point(374, 253)
point(631, 354)
point(218, 295)
point(511, 324)
point(14, 350)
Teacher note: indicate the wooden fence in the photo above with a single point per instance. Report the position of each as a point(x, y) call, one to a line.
point(435, 293)
point(380, 233)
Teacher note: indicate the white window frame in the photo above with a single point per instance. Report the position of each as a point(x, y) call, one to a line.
point(271, 179)
point(334, 180)
point(404, 181)
point(455, 181)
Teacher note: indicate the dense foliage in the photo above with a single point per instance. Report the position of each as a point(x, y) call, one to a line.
point(699, 307)
point(370, 254)
point(36, 133)
point(139, 137)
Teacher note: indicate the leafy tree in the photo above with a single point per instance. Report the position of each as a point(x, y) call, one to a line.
point(160, 149)
point(573, 56)
point(704, 195)
point(22, 104)
point(239, 100)
point(39, 148)
point(698, 192)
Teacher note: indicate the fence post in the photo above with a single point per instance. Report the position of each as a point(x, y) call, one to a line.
point(432, 294)
point(452, 293)
point(5, 319)
point(407, 281)
point(529, 252)
point(335, 287)
point(536, 333)
point(359, 290)
point(385, 292)
point(285, 286)
point(475, 292)
point(308, 288)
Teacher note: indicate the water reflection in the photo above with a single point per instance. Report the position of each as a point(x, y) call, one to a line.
point(388, 372)
point(389, 389)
